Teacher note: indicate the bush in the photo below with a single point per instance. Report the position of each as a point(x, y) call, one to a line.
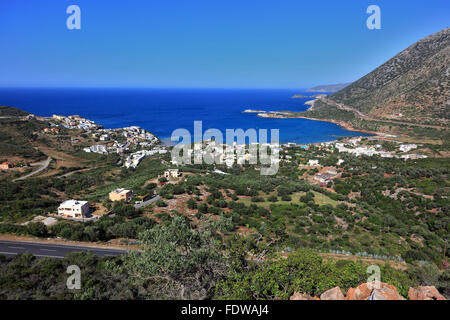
point(37, 229)
point(126, 210)
point(161, 203)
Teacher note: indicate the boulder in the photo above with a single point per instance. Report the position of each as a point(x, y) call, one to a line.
point(385, 293)
point(302, 296)
point(362, 292)
point(332, 294)
point(425, 293)
point(374, 291)
point(365, 291)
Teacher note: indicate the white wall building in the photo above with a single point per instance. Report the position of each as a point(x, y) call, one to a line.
point(407, 147)
point(74, 209)
point(172, 173)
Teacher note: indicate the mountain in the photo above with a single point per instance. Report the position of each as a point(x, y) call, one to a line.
point(408, 96)
point(328, 87)
point(412, 87)
point(6, 111)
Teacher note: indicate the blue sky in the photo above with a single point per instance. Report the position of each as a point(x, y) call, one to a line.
point(205, 43)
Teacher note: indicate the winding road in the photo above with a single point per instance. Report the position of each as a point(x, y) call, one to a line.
point(43, 165)
point(367, 117)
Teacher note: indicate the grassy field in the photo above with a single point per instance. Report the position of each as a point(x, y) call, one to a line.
point(319, 199)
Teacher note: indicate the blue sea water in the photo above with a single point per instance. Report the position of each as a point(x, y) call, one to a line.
point(163, 110)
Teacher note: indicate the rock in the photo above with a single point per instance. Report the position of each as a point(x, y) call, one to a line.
point(362, 292)
point(332, 294)
point(386, 293)
point(302, 296)
point(365, 291)
point(425, 293)
point(374, 291)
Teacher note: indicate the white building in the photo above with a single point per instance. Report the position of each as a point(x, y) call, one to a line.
point(74, 209)
point(98, 148)
point(413, 156)
point(172, 173)
point(407, 147)
point(104, 137)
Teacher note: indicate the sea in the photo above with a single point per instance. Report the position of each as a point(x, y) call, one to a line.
point(161, 111)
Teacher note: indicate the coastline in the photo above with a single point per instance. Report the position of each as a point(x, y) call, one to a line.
point(220, 109)
point(342, 124)
point(287, 115)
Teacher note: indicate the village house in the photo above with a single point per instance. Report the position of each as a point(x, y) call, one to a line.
point(120, 195)
point(413, 156)
point(54, 130)
point(331, 171)
point(98, 148)
point(407, 147)
point(172, 173)
point(104, 137)
point(74, 209)
point(58, 117)
point(323, 178)
point(5, 166)
point(132, 140)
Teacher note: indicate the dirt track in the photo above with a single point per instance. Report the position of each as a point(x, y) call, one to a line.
point(43, 164)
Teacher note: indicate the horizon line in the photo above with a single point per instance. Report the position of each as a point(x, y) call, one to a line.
point(150, 87)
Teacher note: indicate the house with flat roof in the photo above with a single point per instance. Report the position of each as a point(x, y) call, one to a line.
point(172, 173)
point(74, 209)
point(313, 163)
point(120, 195)
point(4, 166)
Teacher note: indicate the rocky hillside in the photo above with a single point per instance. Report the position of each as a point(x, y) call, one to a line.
point(411, 87)
point(6, 111)
point(328, 87)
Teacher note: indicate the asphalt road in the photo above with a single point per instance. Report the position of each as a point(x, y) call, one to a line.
point(146, 203)
point(10, 248)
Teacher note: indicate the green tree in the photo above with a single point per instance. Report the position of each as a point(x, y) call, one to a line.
point(37, 229)
point(176, 262)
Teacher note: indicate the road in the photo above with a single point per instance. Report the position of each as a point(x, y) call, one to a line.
point(367, 117)
point(146, 203)
point(76, 171)
point(40, 250)
point(43, 165)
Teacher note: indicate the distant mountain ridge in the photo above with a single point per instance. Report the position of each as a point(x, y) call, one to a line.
point(6, 111)
point(413, 86)
point(329, 87)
